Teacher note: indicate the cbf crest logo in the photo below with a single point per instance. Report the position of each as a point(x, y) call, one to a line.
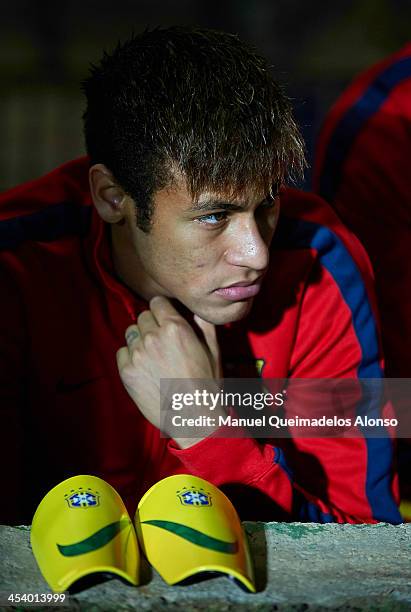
point(82, 498)
point(194, 496)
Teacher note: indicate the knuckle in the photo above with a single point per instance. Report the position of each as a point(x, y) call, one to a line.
point(173, 326)
point(126, 373)
point(150, 339)
point(157, 299)
point(135, 357)
point(143, 316)
point(122, 357)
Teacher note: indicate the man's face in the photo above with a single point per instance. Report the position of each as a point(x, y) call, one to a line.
point(211, 254)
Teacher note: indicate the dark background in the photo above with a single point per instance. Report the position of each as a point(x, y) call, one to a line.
point(315, 47)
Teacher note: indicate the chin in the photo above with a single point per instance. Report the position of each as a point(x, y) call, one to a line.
point(229, 314)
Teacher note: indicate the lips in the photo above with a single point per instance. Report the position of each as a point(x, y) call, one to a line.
point(240, 291)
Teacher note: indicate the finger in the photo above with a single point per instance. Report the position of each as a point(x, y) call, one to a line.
point(123, 358)
point(146, 322)
point(162, 309)
point(132, 336)
point(210, 336)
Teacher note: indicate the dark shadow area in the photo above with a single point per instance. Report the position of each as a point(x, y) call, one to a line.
point(204, 576)
point(91, 580)
point(96, 578)
point(257, 543)
point(146, 571)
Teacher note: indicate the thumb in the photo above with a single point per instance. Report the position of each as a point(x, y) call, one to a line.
point(210, 336)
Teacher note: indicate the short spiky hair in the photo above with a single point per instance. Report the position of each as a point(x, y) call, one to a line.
point(192, 101)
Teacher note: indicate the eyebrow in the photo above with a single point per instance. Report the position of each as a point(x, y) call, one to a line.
point(214, 204)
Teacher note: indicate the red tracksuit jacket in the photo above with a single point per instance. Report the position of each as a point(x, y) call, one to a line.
point(64, 408)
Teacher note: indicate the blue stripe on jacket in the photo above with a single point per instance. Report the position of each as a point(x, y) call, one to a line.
point(47, 225)
point(337, 260)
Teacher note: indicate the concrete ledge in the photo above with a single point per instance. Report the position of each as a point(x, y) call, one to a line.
point(298, 567)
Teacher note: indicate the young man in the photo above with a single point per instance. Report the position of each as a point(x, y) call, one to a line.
point(164, 236)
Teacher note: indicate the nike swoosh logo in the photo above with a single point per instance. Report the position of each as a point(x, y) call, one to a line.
point(66, 387)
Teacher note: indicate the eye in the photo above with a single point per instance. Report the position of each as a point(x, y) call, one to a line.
point(213, 218)
point(269, 203)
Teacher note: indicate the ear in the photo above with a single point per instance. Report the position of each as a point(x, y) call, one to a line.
point(109, 198)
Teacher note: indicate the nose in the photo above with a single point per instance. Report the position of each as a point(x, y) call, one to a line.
point(247, 247)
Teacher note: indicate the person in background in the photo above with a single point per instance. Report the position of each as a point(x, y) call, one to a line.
point(362, 169)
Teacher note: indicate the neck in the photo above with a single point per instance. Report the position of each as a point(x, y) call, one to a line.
point(128, 265)
point(126, 261)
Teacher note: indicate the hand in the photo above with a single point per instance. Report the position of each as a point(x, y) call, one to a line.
point(164, 345)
